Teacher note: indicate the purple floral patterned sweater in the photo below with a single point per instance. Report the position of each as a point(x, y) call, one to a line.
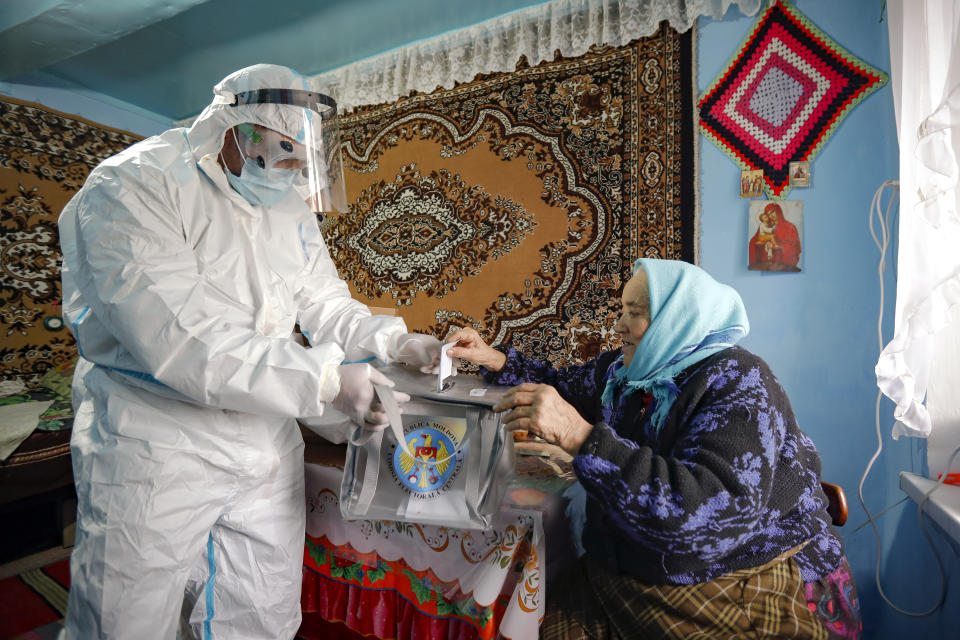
point(729, 483)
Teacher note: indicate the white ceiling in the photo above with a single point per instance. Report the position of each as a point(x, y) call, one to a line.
point(165, 55)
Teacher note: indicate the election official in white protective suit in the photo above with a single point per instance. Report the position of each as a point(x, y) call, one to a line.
point(189, 259)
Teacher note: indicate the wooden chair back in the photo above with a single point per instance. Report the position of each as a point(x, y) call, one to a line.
point(837, 506)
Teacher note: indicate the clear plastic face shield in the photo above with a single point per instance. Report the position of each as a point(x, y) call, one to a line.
point(301, 151)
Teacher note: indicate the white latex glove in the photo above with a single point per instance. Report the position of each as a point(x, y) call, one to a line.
point(417, 350)
point(357, 398)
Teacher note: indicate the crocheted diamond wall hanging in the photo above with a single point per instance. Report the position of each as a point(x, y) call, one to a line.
point(782, 95)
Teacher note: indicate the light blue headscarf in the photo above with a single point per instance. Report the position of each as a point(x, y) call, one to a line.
point(692, 316)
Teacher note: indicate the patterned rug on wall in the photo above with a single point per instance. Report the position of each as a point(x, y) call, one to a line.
point(518, 202)
point(45, 156)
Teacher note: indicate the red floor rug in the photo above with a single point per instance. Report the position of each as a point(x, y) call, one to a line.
point(32, 603)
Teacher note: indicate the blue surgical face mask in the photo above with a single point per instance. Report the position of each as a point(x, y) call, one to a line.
point(260, 187)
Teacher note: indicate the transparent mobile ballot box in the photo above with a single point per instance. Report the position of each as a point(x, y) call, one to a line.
point(456, 465)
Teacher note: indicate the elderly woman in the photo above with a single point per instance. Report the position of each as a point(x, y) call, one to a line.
point(704, 513)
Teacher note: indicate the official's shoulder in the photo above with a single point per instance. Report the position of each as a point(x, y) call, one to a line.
point(154, 155)
point(160, 165)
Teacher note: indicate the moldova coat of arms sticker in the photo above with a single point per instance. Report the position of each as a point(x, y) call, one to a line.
point(435, 443)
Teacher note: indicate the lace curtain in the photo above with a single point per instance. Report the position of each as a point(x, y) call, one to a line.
point(568, 26)
point(925, 72)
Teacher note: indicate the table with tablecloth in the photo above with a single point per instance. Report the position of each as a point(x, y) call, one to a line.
point(408, 581)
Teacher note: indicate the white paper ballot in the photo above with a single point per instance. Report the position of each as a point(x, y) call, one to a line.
point(446, 365)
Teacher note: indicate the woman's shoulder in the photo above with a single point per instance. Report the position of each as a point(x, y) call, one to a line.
point(735, 355)
point(734, 372)
point(735, 360)
point(743, 356)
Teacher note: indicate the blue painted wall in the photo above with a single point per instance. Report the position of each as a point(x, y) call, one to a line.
point(87, 104)
point(818, 328)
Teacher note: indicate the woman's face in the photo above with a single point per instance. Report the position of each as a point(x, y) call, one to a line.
point(634, 314)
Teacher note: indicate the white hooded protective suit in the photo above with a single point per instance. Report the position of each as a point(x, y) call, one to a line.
point(187, 456)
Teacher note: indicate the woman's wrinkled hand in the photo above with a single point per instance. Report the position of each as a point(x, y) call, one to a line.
point(472, 348)
point(539, 409)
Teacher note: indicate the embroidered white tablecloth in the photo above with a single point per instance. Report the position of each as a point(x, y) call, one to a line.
point(505, 562)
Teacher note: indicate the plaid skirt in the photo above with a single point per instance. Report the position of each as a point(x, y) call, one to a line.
point(770, 601)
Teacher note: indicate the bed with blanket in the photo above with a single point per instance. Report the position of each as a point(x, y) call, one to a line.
point(37, 499)
point(37, 461)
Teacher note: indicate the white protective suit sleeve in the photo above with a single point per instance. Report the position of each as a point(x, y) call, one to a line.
point(328, 313)
point(129, 258)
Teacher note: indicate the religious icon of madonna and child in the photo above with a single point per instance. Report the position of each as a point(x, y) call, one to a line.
point(775, 244)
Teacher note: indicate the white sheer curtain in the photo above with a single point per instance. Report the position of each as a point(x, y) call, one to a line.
point(925, 71)
point(568, 26)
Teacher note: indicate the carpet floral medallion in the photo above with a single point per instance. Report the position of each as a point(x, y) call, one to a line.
point(518, 202)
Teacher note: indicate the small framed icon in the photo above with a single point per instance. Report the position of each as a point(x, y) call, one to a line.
point(751, 183)
point(799, 174)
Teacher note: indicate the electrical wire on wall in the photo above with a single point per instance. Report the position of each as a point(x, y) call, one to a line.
point(883, 241)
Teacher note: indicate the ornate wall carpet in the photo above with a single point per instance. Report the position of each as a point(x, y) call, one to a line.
point(518, 202)
point(45, 156)
point(783, 94)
